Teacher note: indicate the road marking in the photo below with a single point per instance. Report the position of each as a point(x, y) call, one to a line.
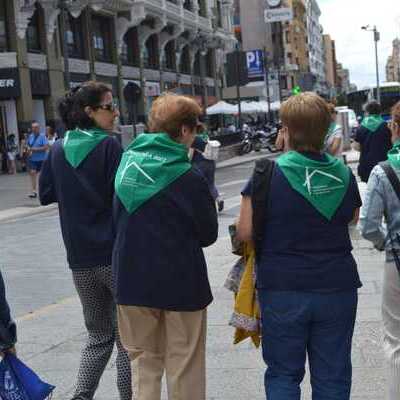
point(47, 309)
point(233, 183)
point(232, 202)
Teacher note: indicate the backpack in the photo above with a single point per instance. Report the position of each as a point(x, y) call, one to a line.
point(261, 183)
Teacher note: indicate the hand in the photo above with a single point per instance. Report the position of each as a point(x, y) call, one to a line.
point(12, 350)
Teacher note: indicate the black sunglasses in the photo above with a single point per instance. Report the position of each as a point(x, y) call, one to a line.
point(108, 107)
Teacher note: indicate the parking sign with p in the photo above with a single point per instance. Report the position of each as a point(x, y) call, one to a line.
point(255, 64)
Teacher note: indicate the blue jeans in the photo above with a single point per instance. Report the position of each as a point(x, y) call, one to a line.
point(321, 325)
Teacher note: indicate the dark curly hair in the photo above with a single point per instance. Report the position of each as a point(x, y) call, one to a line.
point(373, 108)
point(71, 107)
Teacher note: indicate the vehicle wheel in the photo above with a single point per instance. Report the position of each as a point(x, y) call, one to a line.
point(245, 149)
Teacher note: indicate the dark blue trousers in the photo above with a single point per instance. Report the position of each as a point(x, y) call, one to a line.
point(297, 324)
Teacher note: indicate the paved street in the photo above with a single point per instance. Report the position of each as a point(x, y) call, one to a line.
point(51, 330)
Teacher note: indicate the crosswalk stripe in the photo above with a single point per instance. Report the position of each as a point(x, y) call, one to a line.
point(233, 183)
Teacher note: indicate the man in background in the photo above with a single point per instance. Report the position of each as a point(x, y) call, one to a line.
point(37, 147)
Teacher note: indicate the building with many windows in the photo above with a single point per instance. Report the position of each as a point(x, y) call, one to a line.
point(393, 63)
point(316, 47)
point(330, 64)
point(158, 44)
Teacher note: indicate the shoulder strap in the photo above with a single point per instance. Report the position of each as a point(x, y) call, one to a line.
point(259, 198)
point(392, 176)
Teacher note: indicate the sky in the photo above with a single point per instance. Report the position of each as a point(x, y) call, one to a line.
point(342, 19)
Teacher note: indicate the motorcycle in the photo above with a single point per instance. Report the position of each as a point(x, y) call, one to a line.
point(247, 142)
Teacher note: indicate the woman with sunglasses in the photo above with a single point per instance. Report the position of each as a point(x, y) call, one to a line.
point(79, 175)
point(381, 201)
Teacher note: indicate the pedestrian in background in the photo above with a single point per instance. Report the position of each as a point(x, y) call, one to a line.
point(333, 144)
point(307, 278)
point(37, 146)
point(373, 140)
point(382, 201)
point(50, 135)
point(164, 216)
point(79, 175)
point(206, 167)
point(12, 151)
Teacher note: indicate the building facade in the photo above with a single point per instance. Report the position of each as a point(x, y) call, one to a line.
point(393, 63)
point(295, 38)
point(330, 64)
point(316, 52)
point(158, 44)
point(343, 79)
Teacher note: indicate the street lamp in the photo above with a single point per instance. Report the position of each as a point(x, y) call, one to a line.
point(377, 37)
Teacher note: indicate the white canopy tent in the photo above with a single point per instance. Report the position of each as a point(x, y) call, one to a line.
point(247, 107)
point(222, 107)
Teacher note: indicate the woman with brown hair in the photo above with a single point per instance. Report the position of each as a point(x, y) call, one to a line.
point(164, 216)
point(307, 278)
point(382, 202)
point(79, 175)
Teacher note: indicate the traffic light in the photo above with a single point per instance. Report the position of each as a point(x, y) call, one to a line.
point(296, 90)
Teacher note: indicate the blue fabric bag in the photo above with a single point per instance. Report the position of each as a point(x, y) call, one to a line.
point(18, 382)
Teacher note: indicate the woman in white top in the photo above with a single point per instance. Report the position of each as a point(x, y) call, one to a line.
point(334, 138)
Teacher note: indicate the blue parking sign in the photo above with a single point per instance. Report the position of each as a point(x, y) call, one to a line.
point(255, 64)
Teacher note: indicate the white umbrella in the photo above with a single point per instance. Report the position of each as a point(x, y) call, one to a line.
point(222, 107)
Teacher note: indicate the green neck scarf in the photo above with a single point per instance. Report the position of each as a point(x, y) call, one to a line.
point(79, 143)
point(322, 183)
point(394, 156)
point(151, 163)
point(372, 122)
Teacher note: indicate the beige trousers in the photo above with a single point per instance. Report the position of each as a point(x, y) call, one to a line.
point(158, 340)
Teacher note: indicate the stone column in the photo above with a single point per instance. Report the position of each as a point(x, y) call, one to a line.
point(18, 22)
point(54, 61)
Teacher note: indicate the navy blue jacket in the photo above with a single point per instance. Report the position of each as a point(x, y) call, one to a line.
point(8, 329)
point(84, 196)
point(158, 259)
point(374, 149)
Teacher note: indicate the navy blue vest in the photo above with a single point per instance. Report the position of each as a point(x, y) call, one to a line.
point(302, 250)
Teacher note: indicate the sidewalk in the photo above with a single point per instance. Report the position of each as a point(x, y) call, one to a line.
point(50, 339)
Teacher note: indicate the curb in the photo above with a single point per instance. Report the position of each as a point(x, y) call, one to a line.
point(21, 212)
point(239, 161)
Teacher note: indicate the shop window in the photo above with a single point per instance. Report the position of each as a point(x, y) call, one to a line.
point(33, 41)
point(3, 28)
point(102, 38)
point(130, 48)
point(219, 14)
point(185, 61)
point(151, 59)
point(203, 8)
point(187, 4)
point(210, 63)
point(197, 66)
point(169, 56)
point(74, 36)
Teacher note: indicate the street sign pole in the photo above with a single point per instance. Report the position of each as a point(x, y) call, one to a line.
point(239, 100)
point(266, 78)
